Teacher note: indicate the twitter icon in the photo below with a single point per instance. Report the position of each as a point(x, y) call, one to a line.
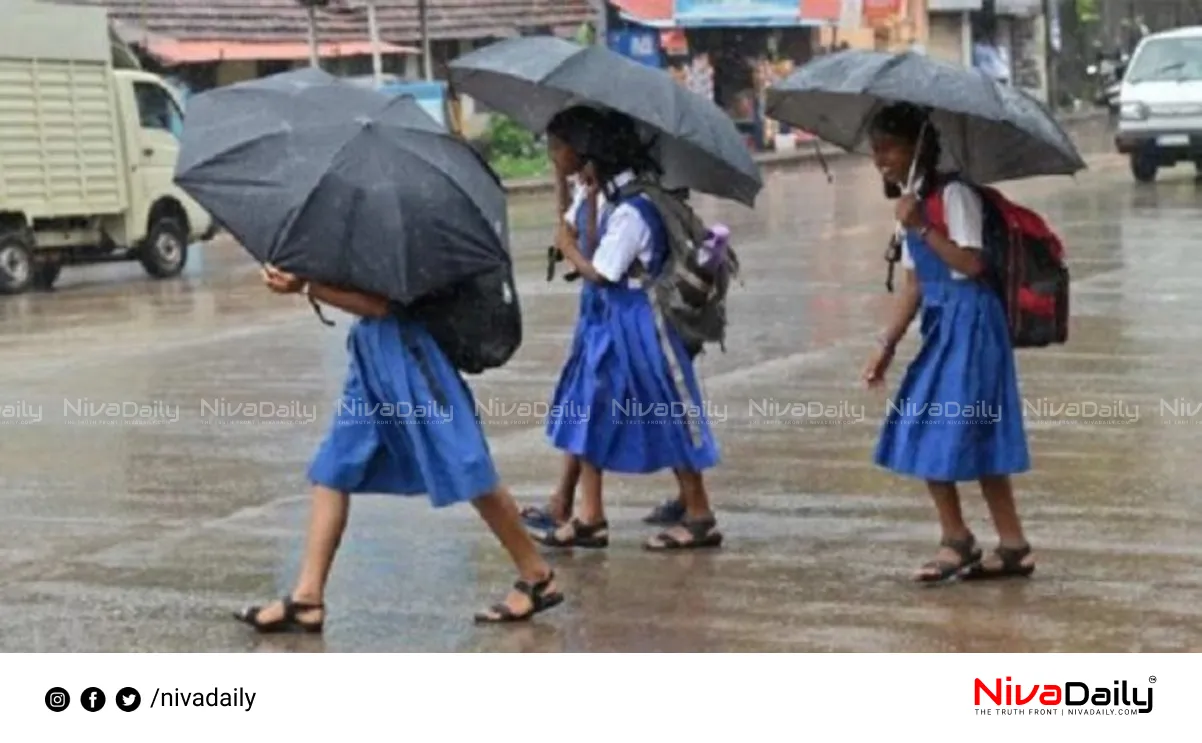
point(128, 699)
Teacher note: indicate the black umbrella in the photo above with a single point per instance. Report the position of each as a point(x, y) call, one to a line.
point(989, 132)
point(533, 78)
point(343, 185)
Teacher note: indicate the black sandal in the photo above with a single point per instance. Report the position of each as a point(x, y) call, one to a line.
point(703, 534)
point(668, 513)
point(287, 623)
point(1011, 559)
point(540, 601)
point(938, 571)
point(587, 536)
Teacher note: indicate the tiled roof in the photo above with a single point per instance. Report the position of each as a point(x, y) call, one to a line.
point(285, 20)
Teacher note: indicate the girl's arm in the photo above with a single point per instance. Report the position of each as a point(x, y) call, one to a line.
point(960, 247)
point(571, 251)
point(904, 310)
point(348, 300)
point(967, 261)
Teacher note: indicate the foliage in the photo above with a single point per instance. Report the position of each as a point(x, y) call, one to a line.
point(507, 139)
point(513, 151)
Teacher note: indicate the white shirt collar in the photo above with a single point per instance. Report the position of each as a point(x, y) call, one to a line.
point(621, 180)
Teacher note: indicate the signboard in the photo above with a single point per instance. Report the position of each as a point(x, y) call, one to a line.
point(955, 6)
point(881, 12)
point(851, 14)
point(640, 44)
point(738, 13)
point(432, 96)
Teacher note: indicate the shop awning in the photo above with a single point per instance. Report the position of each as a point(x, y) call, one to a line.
point(173, 52)
point(653, 13)
point(822, 11)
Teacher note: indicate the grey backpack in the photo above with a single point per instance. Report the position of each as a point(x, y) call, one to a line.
point(691, 290)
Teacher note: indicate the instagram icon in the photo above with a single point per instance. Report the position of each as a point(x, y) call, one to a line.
point(57, 699)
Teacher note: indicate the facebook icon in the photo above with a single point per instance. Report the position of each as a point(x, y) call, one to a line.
point(92, 699)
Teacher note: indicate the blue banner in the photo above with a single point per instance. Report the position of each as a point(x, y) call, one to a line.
point(432, 96)
point(738, 12)
point(640, 44)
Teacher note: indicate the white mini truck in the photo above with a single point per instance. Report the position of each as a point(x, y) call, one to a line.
point(87, 153)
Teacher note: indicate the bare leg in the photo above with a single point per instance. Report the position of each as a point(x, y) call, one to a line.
point(559, 507)
point(951, 524)
point(500, 512)
point(999, 496)
point(564, 496)
point(592, 510)
point(328, 513)
point(588, 527)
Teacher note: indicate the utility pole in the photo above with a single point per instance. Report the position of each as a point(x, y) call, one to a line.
point(423, 21)
point(314, 53)
point(1051, 28)
point(310, 7)
point(373, 32)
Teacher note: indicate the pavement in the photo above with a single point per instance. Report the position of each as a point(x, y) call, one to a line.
point(140, 527)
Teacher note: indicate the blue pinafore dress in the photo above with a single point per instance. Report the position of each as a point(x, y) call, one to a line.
point(406, 423)
point(618, 405)
point(957, 416)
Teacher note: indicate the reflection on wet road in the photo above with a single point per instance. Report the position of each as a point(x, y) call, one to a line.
point(141, 529)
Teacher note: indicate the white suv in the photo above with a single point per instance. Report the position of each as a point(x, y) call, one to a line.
point(1160, 103)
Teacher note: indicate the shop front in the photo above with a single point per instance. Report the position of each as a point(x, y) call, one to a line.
point(731, 50)
point(1006, 39)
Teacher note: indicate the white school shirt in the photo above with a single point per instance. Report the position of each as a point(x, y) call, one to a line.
point(965, 217)
point(627, 235)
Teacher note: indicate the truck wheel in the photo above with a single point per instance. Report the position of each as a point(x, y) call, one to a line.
point(165, 250)
point(16, 262)
point(45, 274)
point(1144, 167)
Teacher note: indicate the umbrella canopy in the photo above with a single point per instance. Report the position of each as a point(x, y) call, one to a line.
point(533, 78)
point(343, 185)
point(988, 131)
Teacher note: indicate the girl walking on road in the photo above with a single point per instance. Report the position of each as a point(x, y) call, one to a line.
point(966, 363)
point(570, 197)
point(396, 364)
point(619, 369)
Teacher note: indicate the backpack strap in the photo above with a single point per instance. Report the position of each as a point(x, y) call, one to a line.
point(671, 233)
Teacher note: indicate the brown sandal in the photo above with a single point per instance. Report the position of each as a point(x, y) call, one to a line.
point(287, 623)
point(938, 571)
point(703, 534)
point(1011, 559)
point(540, 601)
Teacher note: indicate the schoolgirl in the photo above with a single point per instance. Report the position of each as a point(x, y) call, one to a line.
point(957, 415)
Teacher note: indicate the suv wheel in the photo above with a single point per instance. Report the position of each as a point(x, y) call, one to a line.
point(1144, 166)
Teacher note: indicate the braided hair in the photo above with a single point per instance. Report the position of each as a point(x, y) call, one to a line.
point(912, 124)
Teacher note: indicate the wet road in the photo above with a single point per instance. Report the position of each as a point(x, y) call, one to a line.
point(141, 533)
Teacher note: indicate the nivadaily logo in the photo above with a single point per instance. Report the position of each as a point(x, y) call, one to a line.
point(1065, 698)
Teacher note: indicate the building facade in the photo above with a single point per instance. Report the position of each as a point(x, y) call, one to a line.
point(204, 47)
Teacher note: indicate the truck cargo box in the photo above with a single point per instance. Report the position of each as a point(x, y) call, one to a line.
point(60, 143)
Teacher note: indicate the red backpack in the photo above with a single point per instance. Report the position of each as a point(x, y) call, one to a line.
point(1026, 267)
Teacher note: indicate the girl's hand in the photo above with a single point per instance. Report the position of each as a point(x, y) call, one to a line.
point(909, 213)
point(874, 371)
point(280, 282)
point(588, 179)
